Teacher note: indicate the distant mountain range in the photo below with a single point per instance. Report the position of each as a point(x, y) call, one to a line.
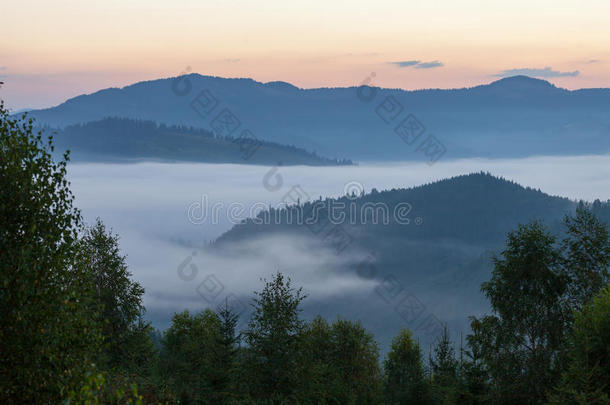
point(512, 117)
point(440, 257)
point(124, 139)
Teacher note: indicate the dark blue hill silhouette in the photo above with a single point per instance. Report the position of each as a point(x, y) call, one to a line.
point(477, 209)
point(442, 261)
point(515, 116)
point(119, 139)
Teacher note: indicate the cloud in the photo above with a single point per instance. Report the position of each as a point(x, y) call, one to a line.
point(406, 63)
point(2, 67)
point(418, 64)
point(429, 65)
point(546, 72)
point(594, 61)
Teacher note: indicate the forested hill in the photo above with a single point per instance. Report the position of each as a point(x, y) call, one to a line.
point(443, 254)
point(129, 139)
point(477, 209)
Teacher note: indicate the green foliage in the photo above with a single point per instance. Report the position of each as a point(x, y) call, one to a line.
point(48, 338)
point(317, 374)
point(406, 381)
point(96, 390)
point(191, 356)
point(521, 342)
point(473, 378)
point(535, 287)
point(117, 301)
point(586, 379)
point(587, 255)
point(273, 337)
point(128, 355)
point(444, 369)
point(341, 364)
point(227, 367)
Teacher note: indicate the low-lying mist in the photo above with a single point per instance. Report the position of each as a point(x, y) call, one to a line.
point(148, 205)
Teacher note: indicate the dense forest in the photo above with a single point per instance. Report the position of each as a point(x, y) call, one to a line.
point(119, 139)
point(73, 329)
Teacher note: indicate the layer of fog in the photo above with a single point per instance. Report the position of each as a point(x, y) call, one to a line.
point(147, 205)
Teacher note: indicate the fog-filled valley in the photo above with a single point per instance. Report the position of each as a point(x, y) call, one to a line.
point(169, 215)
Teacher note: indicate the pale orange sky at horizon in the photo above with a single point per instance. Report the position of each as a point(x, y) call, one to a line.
point(53, 51)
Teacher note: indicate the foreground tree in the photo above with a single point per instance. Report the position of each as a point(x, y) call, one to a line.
point(341, 364)
point(318, 376)
point(273, 336)
point(48, 338)
point(587, 376)
point(586, 256)
point(191, 357)
point(405, 377)
point(128, 352)
point(444, 369)
point(355, 361)
point(473, 378)
point(521, 343)
point(228, 374)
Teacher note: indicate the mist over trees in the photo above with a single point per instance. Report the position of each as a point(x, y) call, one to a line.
point(72, 329)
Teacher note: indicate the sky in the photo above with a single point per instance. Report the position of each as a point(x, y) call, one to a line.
point(51, 51)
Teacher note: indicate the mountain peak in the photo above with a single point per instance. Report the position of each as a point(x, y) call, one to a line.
point(523, 81)
point(280, 85)
point(519, 87)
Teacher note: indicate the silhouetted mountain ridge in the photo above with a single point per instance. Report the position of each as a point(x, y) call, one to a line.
point(510, 117)
point(477, 208)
